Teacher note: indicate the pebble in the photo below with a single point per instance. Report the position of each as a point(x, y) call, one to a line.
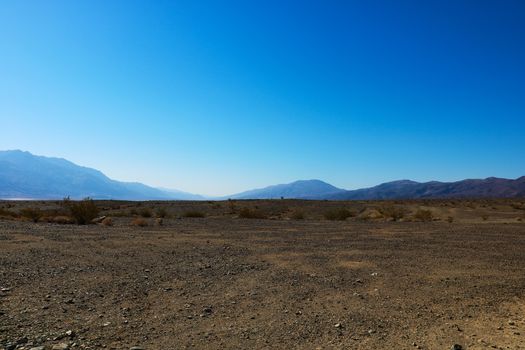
point(136, 348)
point(61, 346)
point(338, 325)
point(456, 347)
point(37, 348)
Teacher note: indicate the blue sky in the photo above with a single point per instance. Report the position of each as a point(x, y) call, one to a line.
point(217, 97)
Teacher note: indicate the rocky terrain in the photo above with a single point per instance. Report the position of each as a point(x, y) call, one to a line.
point(233, 283)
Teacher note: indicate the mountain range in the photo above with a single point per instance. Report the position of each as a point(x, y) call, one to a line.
point(26, 176)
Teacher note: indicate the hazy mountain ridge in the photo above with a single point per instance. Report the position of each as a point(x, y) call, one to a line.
point(304, 189)
point(470, 188)
point(24, 175)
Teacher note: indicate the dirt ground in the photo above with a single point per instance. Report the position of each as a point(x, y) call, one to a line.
point(233, 283)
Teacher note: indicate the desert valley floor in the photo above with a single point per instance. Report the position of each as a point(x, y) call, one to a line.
point(233, 283)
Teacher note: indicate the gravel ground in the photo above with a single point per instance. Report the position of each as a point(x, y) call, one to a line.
point(262, 284)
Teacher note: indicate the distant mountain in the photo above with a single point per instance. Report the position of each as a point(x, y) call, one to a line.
point(304, 189)
point(24, 175)
point(491, 187)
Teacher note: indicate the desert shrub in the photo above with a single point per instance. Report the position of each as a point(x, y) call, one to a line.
point(5, 213)
point(133, 212)
point(393, 212)
point(247, 213)
point(231, 206)
point(63, 220)
point(161, 212)
point(82, 211)
point(159, 221)
point(193, 214)
point(450, 219)
point(518, 206)
point(485, 217)
point(423, 215)
point(34, 214)
point(338, 214)
point(107, 222)
point(297, 215)
point(146, 213)
point(139, 222)
point(119, 214)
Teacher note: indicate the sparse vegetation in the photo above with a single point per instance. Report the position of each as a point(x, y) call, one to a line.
point(8, 214)
point(338, 214)
point(193, 214)
point(146, 213)
point(82, 211)
point(34, 214)
point(424, 215)
point(247, 213)
point(161, 212)
point(139, 222)
point(297, 215)
point(393, 212)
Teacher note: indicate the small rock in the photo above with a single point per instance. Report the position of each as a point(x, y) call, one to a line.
point(61, 346)
point(456, 347)
point(98, 220)
point(136, 348)
point(37, 348)
point(338, 325)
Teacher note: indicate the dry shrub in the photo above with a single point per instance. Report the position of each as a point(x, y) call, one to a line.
point(34, 214)
point(139, 222)
point(146, 213)
point(338, 214)
point(297, 215)
point(107, 222)
point(7, 214)
point(82, 211)
point(485, 217)
point(63, 220)
point(161, 212)
point(392, 212)
point(423, 215)
point(450, 219)
point(247, 213)
point(159, 221)
point(193, 214)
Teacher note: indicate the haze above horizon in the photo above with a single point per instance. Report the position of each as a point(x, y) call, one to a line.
point(188, 95)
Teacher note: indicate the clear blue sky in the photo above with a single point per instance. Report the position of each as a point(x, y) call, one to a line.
point(217, 97)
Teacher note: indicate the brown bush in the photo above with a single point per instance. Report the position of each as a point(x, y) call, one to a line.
point(63, 220)
point(146, 213)
point(193, 214)
point(247, 213)
point(139, 222)
point(297, 215)
point(34, 214)
point(423, 215)
point(393, 212)
point(82, 211)
point(338, 214)
point(7, 214)
point(161, 212)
